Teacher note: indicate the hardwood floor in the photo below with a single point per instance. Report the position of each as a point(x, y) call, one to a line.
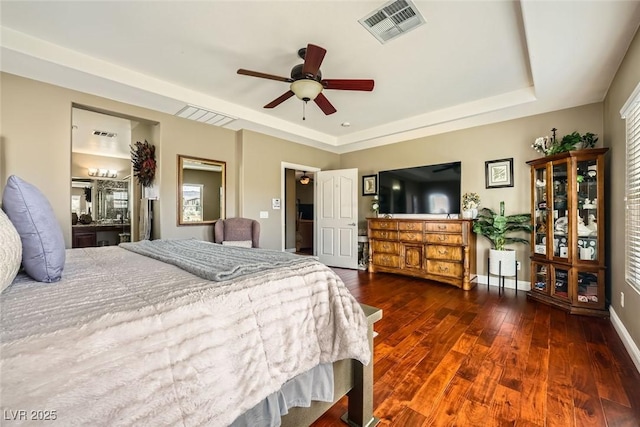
point(444, 356)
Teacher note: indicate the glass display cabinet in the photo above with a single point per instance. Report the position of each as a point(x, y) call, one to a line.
point(567, 245)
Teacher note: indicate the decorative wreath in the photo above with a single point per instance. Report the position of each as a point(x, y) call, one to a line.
point(143, 157)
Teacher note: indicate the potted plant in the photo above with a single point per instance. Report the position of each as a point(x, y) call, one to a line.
point(498, 228)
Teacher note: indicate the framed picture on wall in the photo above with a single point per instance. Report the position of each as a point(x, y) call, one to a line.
point(499, 173)
point(369, 185)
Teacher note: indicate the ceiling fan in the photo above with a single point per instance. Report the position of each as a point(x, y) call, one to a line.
point(307, 83)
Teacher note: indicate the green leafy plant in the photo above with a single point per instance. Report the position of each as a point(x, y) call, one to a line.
point(498, 227)
point(589, 139)
point(550, 145)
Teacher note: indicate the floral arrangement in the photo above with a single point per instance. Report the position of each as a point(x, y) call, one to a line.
point(143, 157)
point(470, 201)
point(573, 141)
point(375, 205)
point(542, 145)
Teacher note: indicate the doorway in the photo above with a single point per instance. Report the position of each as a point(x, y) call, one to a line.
point(105, 201)
point(297, 217)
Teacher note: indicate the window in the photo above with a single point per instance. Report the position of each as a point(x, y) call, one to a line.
point(631, 113)
point(192, 202)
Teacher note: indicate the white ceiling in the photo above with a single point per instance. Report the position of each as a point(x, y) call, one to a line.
point(472, 63)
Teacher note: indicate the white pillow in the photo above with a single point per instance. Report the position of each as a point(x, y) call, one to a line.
point(240, 243)
point(10, 251)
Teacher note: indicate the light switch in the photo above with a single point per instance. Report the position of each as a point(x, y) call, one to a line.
point(264, 214)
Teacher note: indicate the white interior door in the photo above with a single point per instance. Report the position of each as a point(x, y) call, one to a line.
point(337, 217)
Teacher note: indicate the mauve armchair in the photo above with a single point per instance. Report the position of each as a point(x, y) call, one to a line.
point(236, 230)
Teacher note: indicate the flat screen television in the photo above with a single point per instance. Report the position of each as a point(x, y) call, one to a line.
point(431, 189)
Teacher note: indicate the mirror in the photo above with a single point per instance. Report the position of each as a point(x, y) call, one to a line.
point(201, 190)
point(105, 201)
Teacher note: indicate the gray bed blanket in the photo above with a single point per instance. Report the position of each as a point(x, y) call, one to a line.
point(212, 261)
point(126, 340)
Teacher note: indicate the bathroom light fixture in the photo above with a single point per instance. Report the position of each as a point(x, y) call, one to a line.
point(102, 173)
point(305, 179)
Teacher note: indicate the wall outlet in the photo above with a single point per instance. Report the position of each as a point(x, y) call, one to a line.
point(622, 299)
point(518, 265)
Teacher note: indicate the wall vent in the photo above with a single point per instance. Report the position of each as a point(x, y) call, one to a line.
point(392, 20)
point(104, 133)
point(203, 115)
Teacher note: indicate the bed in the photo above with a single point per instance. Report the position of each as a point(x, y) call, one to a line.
point(127, 339)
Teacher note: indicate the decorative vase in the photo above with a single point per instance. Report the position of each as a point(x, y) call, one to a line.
point(502, 262)
point(467, 214)
point(474, 213)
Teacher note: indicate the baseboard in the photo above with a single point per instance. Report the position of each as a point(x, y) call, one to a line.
point(631, 346)
point(509, 283)
point(290, 250)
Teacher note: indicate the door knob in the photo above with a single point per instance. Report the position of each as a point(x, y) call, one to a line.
point(352, 224)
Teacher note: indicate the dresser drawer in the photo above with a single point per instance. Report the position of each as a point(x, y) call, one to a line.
point(386, 260)
point(449, 239)
point(442, 268)
point(410, 226)
point(449, 253)
point(410, 236)
point(385, 247)
point(444, 227)
point(380, 224)
point(383, 235)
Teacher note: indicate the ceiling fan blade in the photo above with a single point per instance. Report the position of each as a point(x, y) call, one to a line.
point(264, 75)
point(324, 104)
point(312, 59)
point(348, 84)
point(279, 100)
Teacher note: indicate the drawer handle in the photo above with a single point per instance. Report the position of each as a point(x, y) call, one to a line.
point(384, 234)
point(410, 226)
point(442, 238)
point(442, 227)
point(444, 269)
point(385, 246)
point(442, 251)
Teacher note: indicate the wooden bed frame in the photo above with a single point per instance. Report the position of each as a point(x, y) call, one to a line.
point(351, 378)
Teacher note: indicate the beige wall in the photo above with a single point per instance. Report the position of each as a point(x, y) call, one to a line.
point(625, 81)
point(473, 147)
point(262, 158)
point(35, 144)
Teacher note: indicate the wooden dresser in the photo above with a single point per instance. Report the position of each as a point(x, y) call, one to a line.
point(443, 250)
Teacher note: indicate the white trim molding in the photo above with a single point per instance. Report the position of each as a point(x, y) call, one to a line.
point(631, 346)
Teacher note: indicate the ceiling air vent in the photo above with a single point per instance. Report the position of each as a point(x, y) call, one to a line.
point(105, 133)
point(205, 116)
point(392, 20)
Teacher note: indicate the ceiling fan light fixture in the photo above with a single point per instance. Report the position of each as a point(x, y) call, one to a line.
point(305, 179)
point(305, 89)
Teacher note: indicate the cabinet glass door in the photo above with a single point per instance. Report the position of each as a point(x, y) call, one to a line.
point(540, 278)
point(560, 283)
point(540, 211)
point(587, 291)
point(587, 177)
point(559, 202)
